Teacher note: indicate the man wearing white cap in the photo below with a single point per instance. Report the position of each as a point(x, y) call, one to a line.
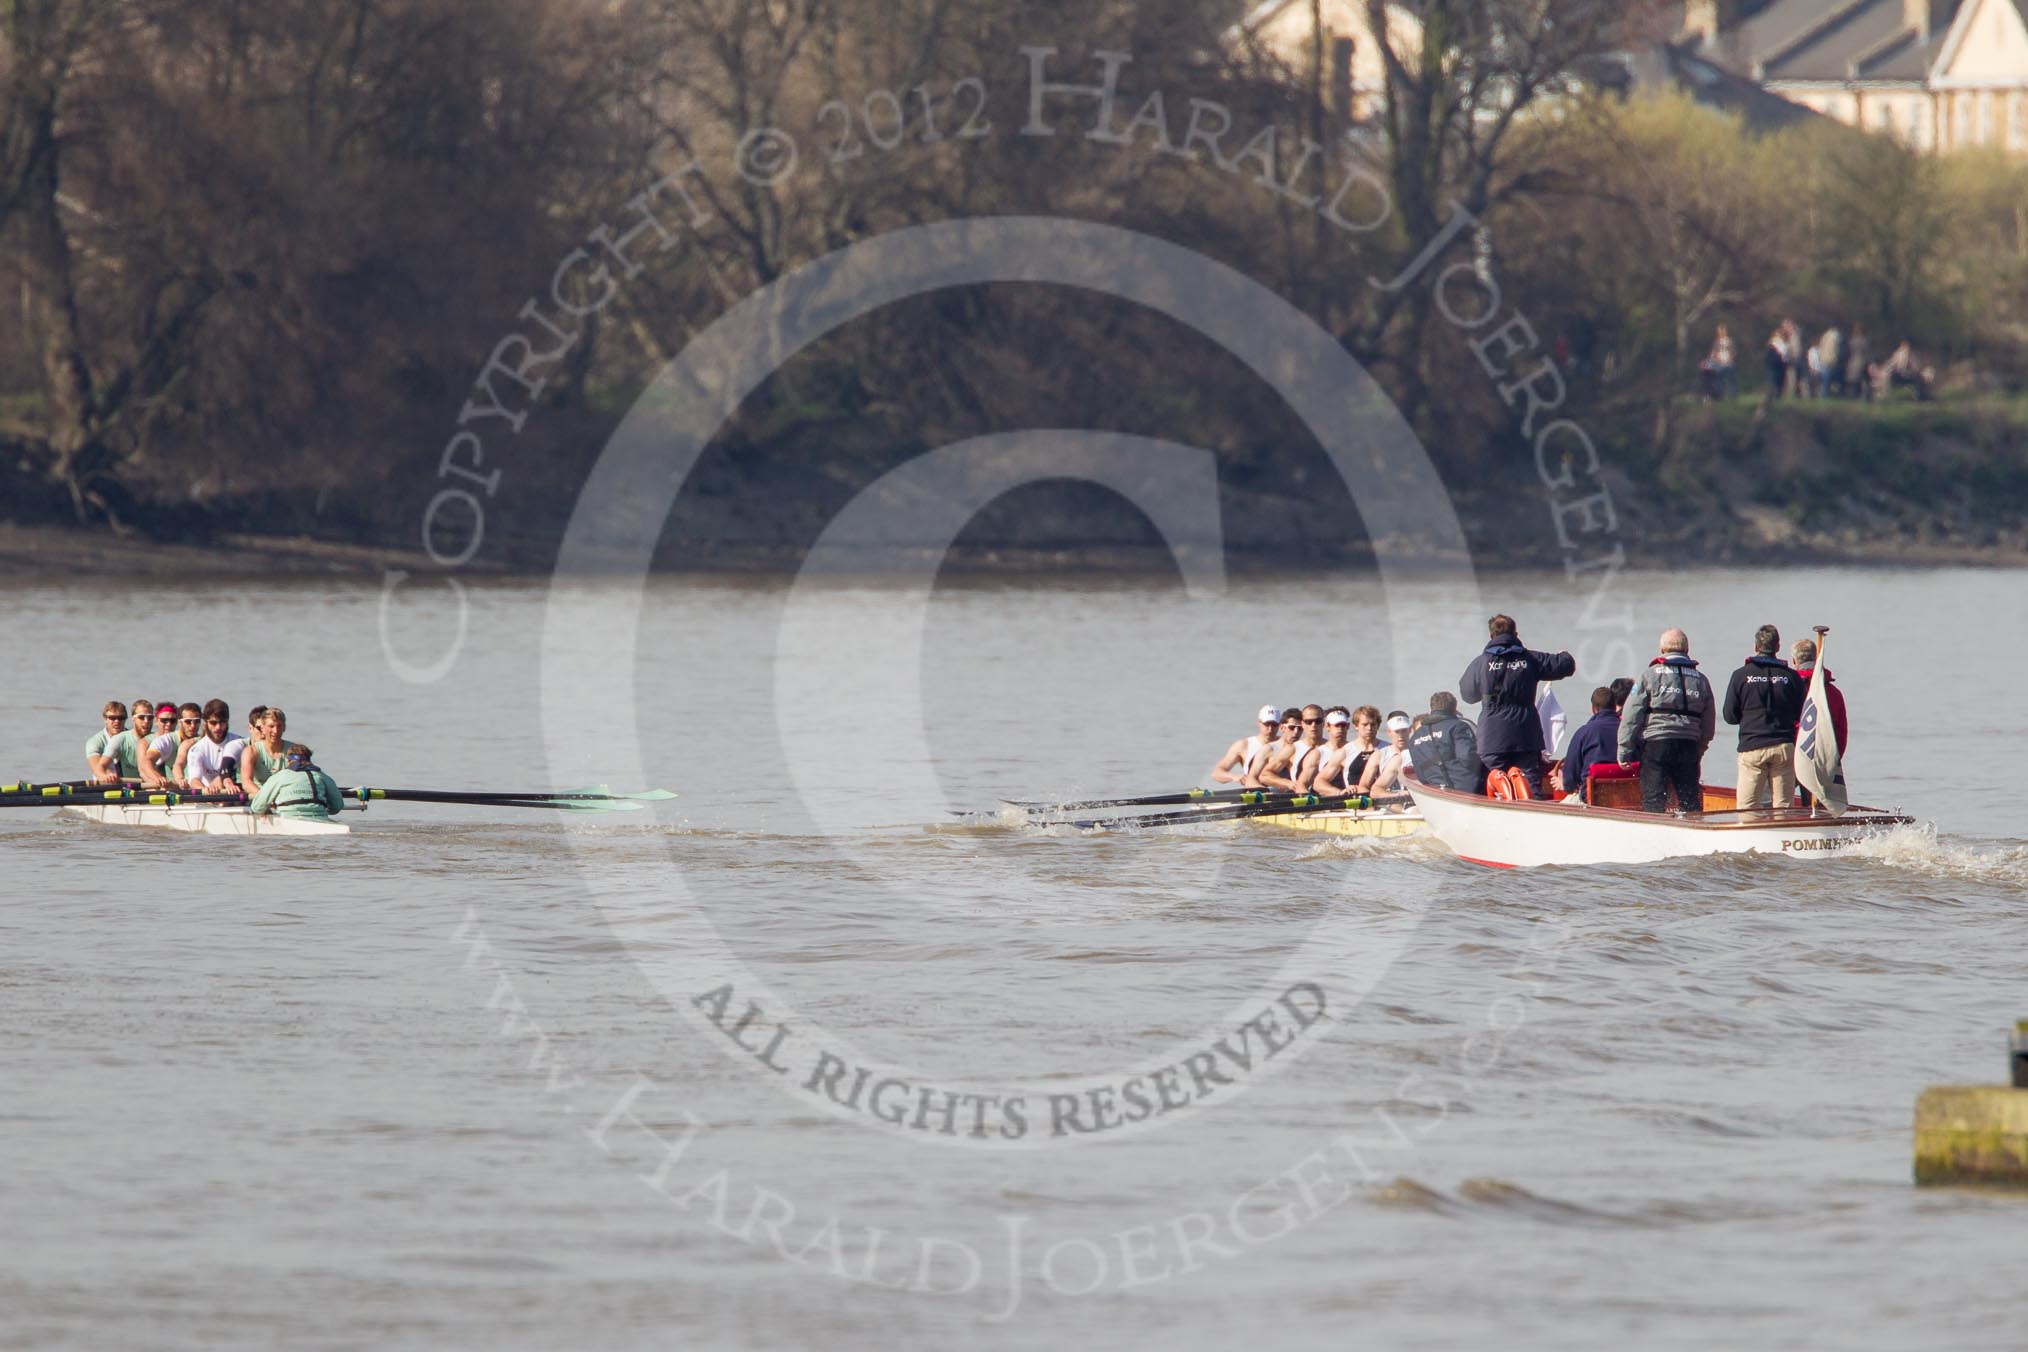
point(1383, 772)
point(1275, 768)
point(1233, 767)
point(1323, 770)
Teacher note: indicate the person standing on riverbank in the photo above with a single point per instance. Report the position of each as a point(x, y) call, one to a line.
point(1777, 355)
point(1719, 367)
point(1831, 355)
point(1672, 717)
point(1859, 365)
point(1764, 700)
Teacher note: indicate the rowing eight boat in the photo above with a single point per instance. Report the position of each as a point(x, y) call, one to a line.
point(210, 820)
point(1372, 823)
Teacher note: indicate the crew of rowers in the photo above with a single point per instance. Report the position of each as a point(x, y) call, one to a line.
point(191, 748)
point(1333, 753)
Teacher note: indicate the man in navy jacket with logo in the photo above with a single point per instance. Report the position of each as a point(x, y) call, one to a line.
point(1765, 701)
point(1596, 743)
point(1504, 677)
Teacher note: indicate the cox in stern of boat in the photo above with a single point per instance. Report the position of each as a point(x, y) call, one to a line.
point(1444, 748)
point(299, 790)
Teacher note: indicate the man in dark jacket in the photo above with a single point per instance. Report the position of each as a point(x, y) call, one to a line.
point(1505, 677)
point(1671, 717)
point(1596, 743)
point(1445, 748)
point(1764, 700)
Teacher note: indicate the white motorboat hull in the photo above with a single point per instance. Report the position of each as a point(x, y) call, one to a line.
point(1506, 834)
point(205, 820)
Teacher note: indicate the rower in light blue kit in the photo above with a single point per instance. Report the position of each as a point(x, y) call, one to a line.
point(298, 790)
point(113, 754)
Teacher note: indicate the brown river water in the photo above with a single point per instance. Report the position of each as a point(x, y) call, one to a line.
point(804, 1058)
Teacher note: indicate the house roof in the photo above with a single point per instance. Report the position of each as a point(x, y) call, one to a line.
point(1832, 41)
point(1679, 66)
point(1956, 33)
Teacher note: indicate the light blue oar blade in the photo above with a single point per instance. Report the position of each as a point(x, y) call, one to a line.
point(651, 796)
point(578, 805)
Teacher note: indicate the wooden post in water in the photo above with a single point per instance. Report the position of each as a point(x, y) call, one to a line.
point(1976, 1134)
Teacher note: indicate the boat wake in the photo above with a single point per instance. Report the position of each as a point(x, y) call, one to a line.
point(1918, 849)
point(1421, 846)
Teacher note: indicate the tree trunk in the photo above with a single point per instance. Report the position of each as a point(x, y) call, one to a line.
point(45, 261)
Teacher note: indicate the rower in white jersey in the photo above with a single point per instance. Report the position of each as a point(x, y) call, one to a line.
point(1323, 772)
point(201, 765)
point(1272, 768)
point(1383, 771)
point(1232, 767)
point(1312, 739)
point(1363, 745)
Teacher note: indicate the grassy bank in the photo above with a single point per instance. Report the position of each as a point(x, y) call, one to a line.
point(1836, 479)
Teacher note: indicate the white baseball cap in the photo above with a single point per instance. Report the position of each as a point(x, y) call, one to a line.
point(1398, 723)
point(1270, 714)
point(1336, 717)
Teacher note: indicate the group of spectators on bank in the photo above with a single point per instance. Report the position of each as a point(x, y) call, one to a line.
point(1836, 366)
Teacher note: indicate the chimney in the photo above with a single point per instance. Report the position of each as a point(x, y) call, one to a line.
point(1927, 17)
